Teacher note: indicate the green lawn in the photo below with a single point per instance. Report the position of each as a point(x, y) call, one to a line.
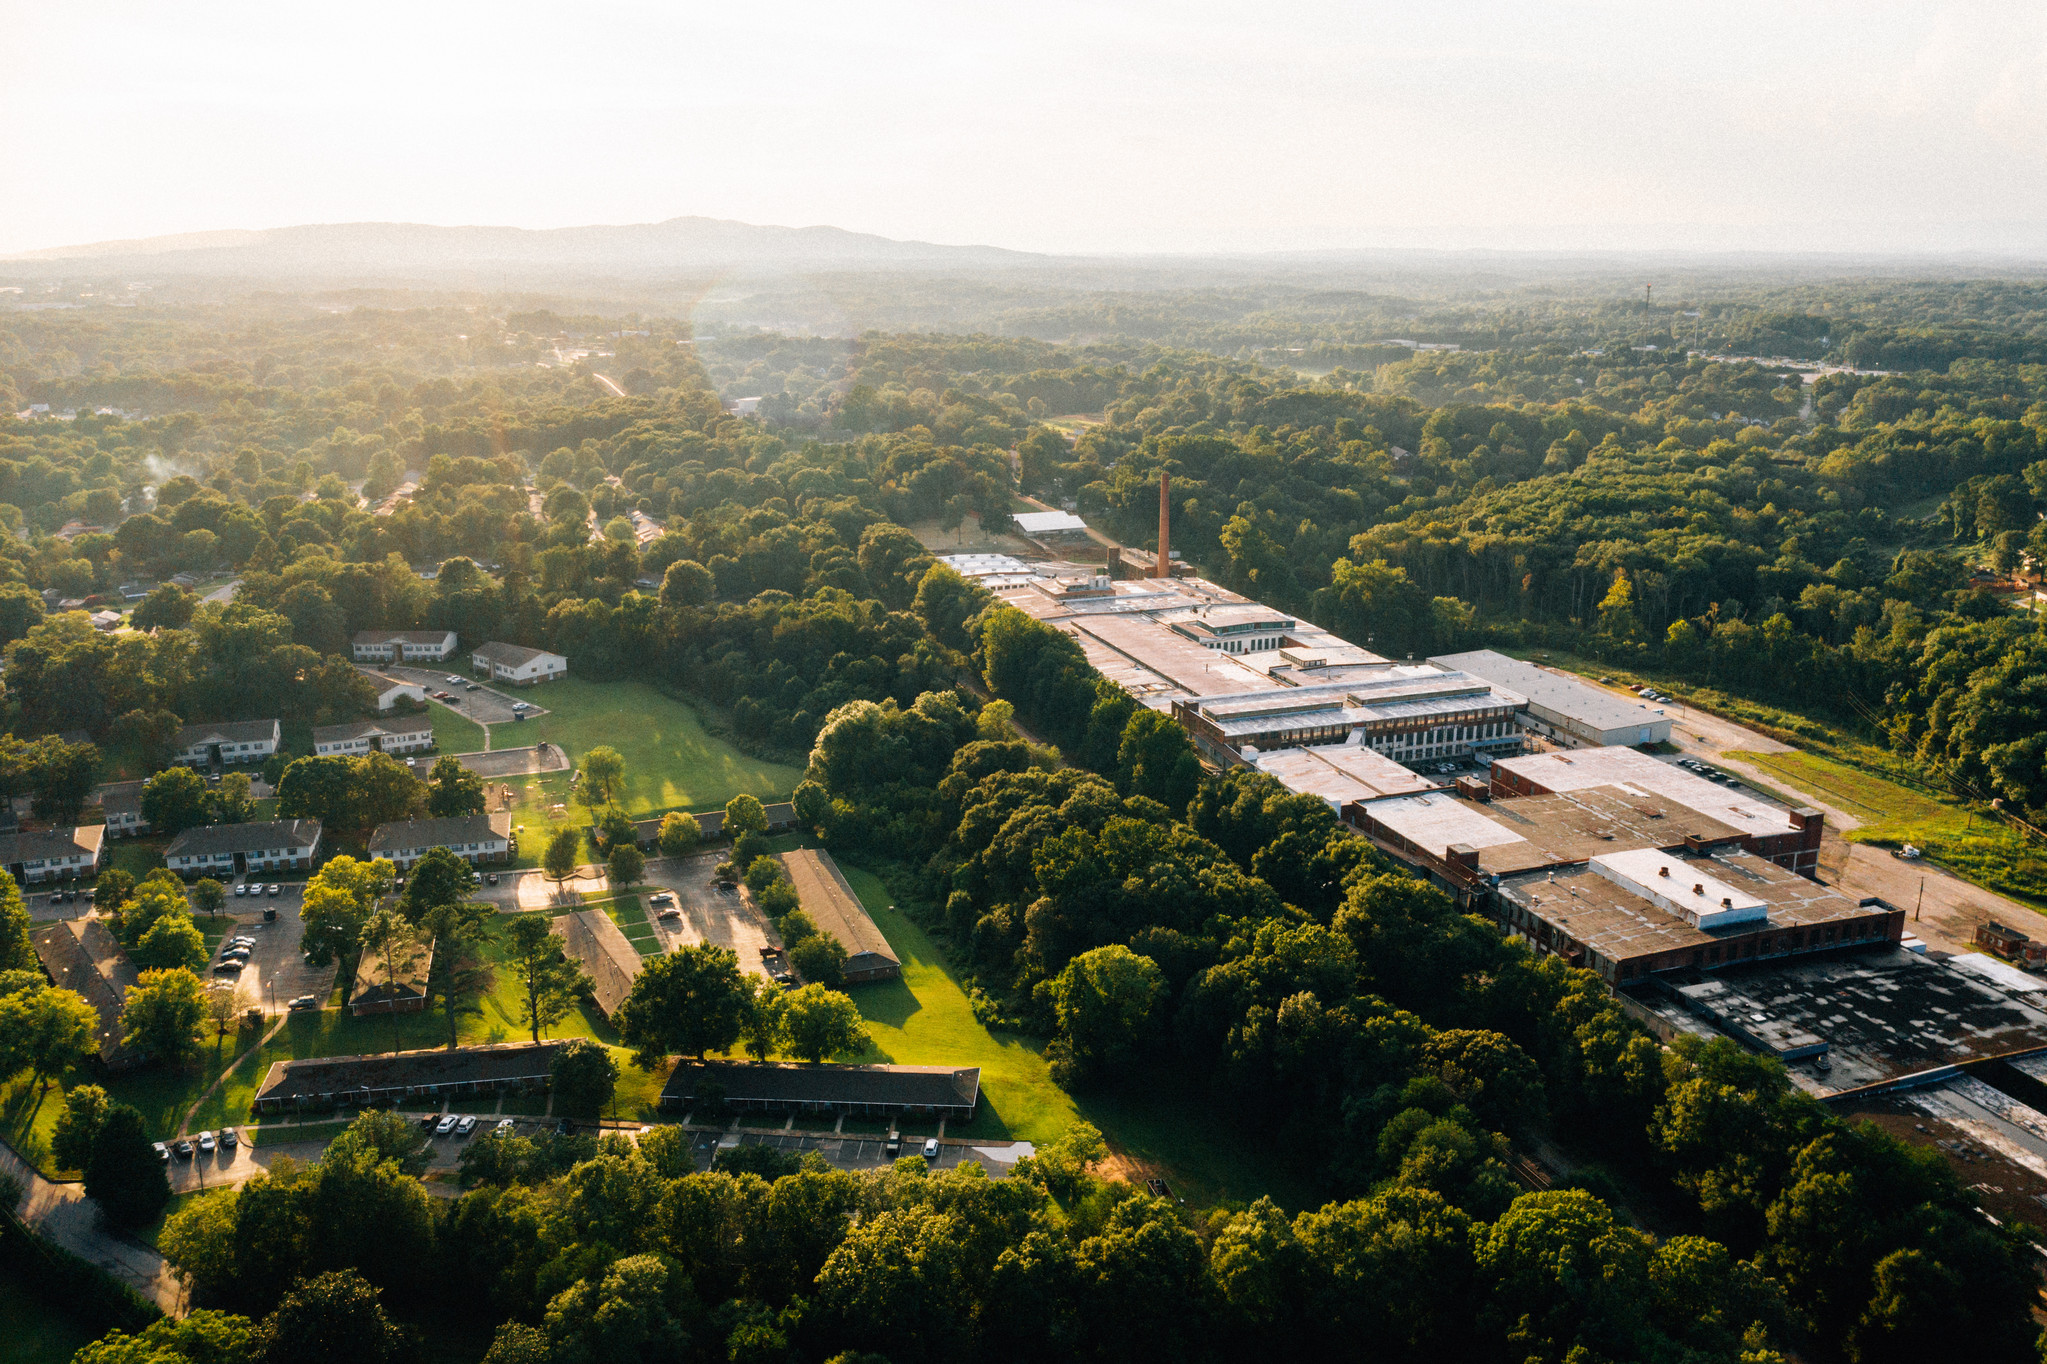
point(925, 1019)
point(455, 732)
point(671, 763)
point(136, 856)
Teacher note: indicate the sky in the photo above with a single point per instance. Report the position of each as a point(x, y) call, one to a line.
point(1103, 127)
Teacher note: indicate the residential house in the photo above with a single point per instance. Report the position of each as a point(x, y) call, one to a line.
point(517, 665)
point(360, 737)
point(402, 646)
point(227, 850)
point(121, 803)
point(396, 986)
point(53, 854)
point(83, 955)
point(391, 690)
point(473, 838)
point(237, 741)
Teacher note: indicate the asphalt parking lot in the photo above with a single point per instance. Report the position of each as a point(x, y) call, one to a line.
point(276, 972)
point(723, 918)
point(486, 705)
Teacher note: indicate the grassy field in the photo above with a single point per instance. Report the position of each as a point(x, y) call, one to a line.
point(671, 762)
point(455, 732)
point(1892, 813)
point(925, 1019)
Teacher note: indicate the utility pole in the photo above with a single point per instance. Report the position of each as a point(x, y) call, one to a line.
point(1921, 901)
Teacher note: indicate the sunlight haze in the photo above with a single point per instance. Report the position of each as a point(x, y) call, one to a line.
point(1061, 127)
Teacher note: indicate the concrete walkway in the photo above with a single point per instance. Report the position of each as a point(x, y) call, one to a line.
point(66, 1217)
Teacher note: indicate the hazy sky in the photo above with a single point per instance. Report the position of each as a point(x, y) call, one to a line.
point(1045, 125)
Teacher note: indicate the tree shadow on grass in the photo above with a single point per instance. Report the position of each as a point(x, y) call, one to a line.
point(19, 1116)
point(888, 1002)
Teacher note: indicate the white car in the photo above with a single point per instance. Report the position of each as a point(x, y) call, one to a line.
point(206, 1141)
point(931, 1148)
point(504, 1127)
point(466, 1126)
point(445, 1125)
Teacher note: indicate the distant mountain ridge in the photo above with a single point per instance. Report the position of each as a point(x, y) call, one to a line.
point(693, 244)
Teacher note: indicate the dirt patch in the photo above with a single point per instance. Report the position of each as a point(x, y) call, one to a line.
point(516, 762)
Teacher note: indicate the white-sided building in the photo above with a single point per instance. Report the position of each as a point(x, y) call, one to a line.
point(516, 665)
point(473, 838)
point(237, 741)
point(403, 646)
point(227, 850)
point(391, 690)
point(361, 737)
point(53, 854)
point(121, 803)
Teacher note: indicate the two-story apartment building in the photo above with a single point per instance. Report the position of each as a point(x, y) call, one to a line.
point(517, 665)
point(237, 741)
point(121, 803)
point(473, 838)
point(53, 854)
point(360, 737)
point(224, 850)
point(402, 646)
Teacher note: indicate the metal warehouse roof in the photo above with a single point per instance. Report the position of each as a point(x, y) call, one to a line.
point(1567, 696)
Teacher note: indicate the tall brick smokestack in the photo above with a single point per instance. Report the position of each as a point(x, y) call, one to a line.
point(1165, 569)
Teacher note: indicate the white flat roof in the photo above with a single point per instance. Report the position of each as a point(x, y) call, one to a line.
point(1678, 887)
point(1435, 823)
point(1998, 972)
point(1045, 523)
point(1628, 767)
point(1592, 706)
point(1340, 773)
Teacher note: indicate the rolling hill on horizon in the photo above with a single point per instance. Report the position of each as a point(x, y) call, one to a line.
point(685, 243)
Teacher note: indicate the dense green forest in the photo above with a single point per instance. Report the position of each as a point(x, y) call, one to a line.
point(1571, 476)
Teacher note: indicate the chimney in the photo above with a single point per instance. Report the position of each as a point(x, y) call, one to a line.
point(1165, 569)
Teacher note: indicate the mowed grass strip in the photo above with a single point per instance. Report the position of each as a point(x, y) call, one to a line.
point(455, 732)
point(1890, 812)
point(671, 761)
point(925, 1019)
point(1979, 848)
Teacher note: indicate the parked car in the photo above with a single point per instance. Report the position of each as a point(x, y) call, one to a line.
point(163, 1152)
point(229, 1139)
point(472, 686)
point(228, 968)
point(454, 679)
point(504, 1127)
point(893, 1147)
point(564, 1128)
point(427, 1121)
point(492, 878)
point(668, 912)
point(182, 1150)
point(206, 1142)
point(273, 890)
point(445, 1126)
point(466, 1126)
point(241, 889)
point(931, 1148)
point(452, 699)
point(664, 898)
point(303, 1002)
point(519, 715)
